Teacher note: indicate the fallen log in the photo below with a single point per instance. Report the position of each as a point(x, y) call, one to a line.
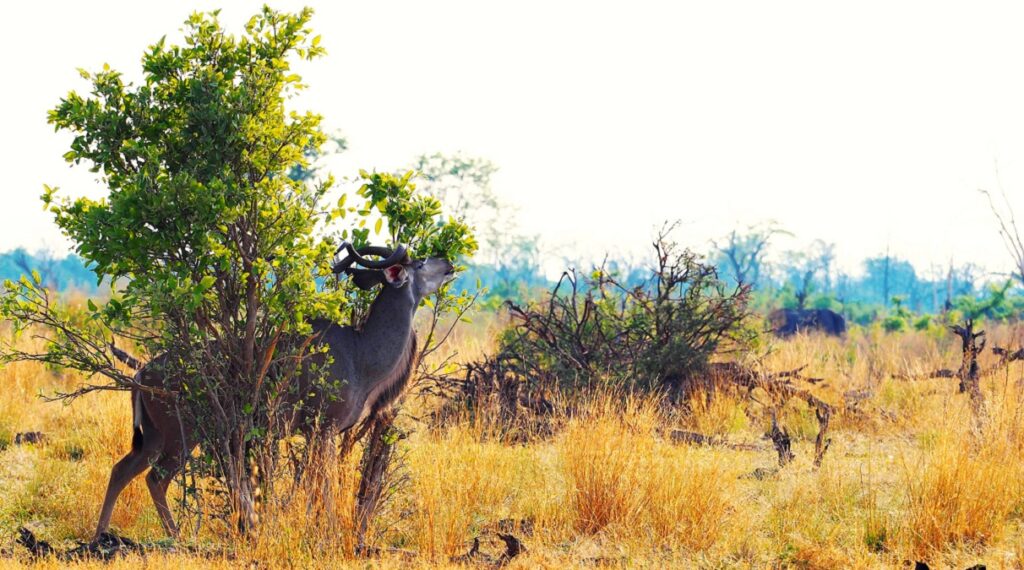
point(693, 438)
point(513, 548)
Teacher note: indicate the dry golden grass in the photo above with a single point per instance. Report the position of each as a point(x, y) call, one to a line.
point(907, 478)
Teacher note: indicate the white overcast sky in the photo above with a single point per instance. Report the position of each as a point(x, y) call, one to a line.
point(867, 124)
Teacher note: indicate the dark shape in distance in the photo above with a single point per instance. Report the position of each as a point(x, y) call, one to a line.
point(29, 437)
point(787, 322)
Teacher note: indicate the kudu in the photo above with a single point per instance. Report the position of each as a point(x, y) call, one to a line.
point(369, 368)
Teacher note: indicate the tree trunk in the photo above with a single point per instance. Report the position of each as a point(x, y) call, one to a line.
point(969, 373)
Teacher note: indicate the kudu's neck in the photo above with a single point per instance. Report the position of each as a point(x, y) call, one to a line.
point(385, 336)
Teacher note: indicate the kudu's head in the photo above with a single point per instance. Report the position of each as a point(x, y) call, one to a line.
point(422, 276)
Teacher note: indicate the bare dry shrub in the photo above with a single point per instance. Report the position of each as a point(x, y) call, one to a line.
point(652, 334)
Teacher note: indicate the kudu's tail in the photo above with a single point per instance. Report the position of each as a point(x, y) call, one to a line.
point(137, 409)
point(131, 361)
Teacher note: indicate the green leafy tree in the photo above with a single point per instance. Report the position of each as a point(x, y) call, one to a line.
point(899, 316)
point(995, 304)
point(214, 233)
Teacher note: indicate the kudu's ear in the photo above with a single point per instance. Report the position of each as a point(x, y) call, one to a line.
point(366, 279)
point(396, 275)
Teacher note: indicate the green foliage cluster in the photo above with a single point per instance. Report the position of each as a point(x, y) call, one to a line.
point(199, 212)
point(898, 317)
point(415, 219)
point(996, 304)
point(412, 218)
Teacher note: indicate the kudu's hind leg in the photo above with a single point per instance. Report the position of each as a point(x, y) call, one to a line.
point(130, 467)
point(160, 477)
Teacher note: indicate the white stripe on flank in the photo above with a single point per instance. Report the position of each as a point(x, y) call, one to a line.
point(137, 408)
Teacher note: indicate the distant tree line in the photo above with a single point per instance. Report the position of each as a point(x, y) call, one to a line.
point(60, 274)
point(887, 288)
point(510, 268)
point(509, 263)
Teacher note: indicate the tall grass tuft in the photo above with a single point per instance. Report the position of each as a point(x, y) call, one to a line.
point(965, 484)
point(626, 482)
point(462, 486)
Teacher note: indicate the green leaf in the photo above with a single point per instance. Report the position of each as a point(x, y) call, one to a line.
point(47, 197)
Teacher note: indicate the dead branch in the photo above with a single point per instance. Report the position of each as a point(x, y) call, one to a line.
point(1008, 230)
point(821, 442)
point(938, 373)
point(780, 438)
point(1006, 356)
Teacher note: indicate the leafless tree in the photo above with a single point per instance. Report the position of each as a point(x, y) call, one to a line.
point(1008, 230)
point(805, 266)
point(742, 254)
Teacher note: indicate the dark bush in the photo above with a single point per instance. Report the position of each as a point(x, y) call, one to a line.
point(597, 331)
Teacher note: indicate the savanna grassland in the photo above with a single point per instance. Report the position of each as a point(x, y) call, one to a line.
point(907, 477)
